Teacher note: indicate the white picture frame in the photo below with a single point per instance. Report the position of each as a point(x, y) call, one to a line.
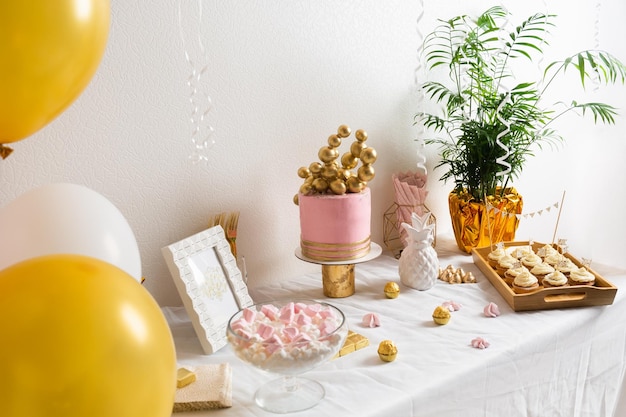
point(209, 283)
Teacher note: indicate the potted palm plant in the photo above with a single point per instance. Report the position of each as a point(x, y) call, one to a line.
point(491, 121)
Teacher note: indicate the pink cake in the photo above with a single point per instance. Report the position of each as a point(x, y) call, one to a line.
point(335, 227)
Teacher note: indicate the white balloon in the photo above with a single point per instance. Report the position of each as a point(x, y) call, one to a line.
point(67, 219)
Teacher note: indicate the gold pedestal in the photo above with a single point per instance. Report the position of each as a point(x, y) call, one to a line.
point(337, 277)
point(338, 280)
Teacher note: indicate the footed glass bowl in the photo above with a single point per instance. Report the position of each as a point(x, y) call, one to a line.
point(287, 338)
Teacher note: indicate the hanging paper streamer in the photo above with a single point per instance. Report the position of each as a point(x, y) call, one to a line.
point(419, 93)
point(596, 46)
point(201, 104)
point(503, 159)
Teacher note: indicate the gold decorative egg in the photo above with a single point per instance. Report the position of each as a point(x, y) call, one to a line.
point(368, 155)
point(360, 135)
point(349, 161)
point(303, 172)
point(356, 148)
point(366, 173)
point(343, 131)
point(392, 290)
point(315, 167)
point(338, 187)
point(334, 141)
point(327, 154)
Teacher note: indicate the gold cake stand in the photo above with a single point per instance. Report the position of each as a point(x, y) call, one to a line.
point(338, 276)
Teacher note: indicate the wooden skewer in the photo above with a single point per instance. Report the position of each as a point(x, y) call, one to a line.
point(558, 217)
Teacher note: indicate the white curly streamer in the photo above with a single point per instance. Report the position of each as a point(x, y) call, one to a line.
point(419, 93)
point(503, 159)
point(201, 103)
point(596, 39)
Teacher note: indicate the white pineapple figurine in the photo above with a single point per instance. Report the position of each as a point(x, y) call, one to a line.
point(419, 265)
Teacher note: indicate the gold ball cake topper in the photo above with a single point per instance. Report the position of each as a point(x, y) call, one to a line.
point(332, 177)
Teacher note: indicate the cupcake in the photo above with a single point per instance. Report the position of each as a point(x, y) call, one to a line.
point(510, 274)
point(566, 266)
point(553, 258)
point(547, 250)
point(505, 263)
point(530, 260)
point(581, 276)
point(521, 251)
point(525, 282)
point(541, 270)
point(495, 255)
point(555, 279)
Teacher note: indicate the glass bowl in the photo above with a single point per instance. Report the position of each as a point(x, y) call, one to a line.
point(287, 338)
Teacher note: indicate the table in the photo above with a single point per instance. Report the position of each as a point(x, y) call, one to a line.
point(568, 362)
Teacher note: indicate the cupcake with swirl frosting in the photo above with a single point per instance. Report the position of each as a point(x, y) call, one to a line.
point(541, 270)
point(555, 279)
point(525, 283)
point(581, 276)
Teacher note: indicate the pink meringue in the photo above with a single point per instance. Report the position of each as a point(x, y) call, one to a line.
point(451, 305)
point(480, 343)
point(491, 310)
point(371, 320)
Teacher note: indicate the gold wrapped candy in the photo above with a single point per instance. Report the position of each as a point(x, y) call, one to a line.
point(441, 315)
point(334, 174)
point(392, 290)
point(354, 342)
point(387, 351)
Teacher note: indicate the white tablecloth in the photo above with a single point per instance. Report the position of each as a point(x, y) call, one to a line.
point(550, 363)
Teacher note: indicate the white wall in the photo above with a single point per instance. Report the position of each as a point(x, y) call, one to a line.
point(282, 76)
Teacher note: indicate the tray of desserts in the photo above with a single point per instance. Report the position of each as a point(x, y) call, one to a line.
point(540, 276)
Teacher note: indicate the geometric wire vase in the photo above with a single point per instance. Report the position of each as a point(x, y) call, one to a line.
point(392, 229)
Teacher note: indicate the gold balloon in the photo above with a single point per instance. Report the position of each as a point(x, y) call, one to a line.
point(309, 179)
point(343, 131)
point(334, 141)
point(356, 148)
point(366, 173)
point(81, 337)
point(361, 135)
point(296, 199)
point(338, 187)
point(315, 167)
point(303, 172)
point(50, 51)
point(368, 155)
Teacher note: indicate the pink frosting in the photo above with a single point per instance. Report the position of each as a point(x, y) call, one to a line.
point(335, 227)
point(371, 320)
point(451, 305)
point(480, 343)
point(491, 310)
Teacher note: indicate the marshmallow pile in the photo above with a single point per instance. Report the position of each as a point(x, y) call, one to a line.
point(287, 339)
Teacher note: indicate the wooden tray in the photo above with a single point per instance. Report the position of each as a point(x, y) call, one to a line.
point(601, 293)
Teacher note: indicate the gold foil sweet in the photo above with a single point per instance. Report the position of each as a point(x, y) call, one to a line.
point(477, 225)
point(387, 351)
point(391, 290)
point(354, 342)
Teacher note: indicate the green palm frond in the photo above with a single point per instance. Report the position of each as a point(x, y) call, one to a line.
point(478, 111)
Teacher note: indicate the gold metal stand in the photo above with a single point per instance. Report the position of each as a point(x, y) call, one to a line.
point(338, 279)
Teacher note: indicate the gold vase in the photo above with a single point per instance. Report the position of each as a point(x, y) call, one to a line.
point(477, 225)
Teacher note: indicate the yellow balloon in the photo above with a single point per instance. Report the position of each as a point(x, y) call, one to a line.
point(81, 337)
point(49, 52)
